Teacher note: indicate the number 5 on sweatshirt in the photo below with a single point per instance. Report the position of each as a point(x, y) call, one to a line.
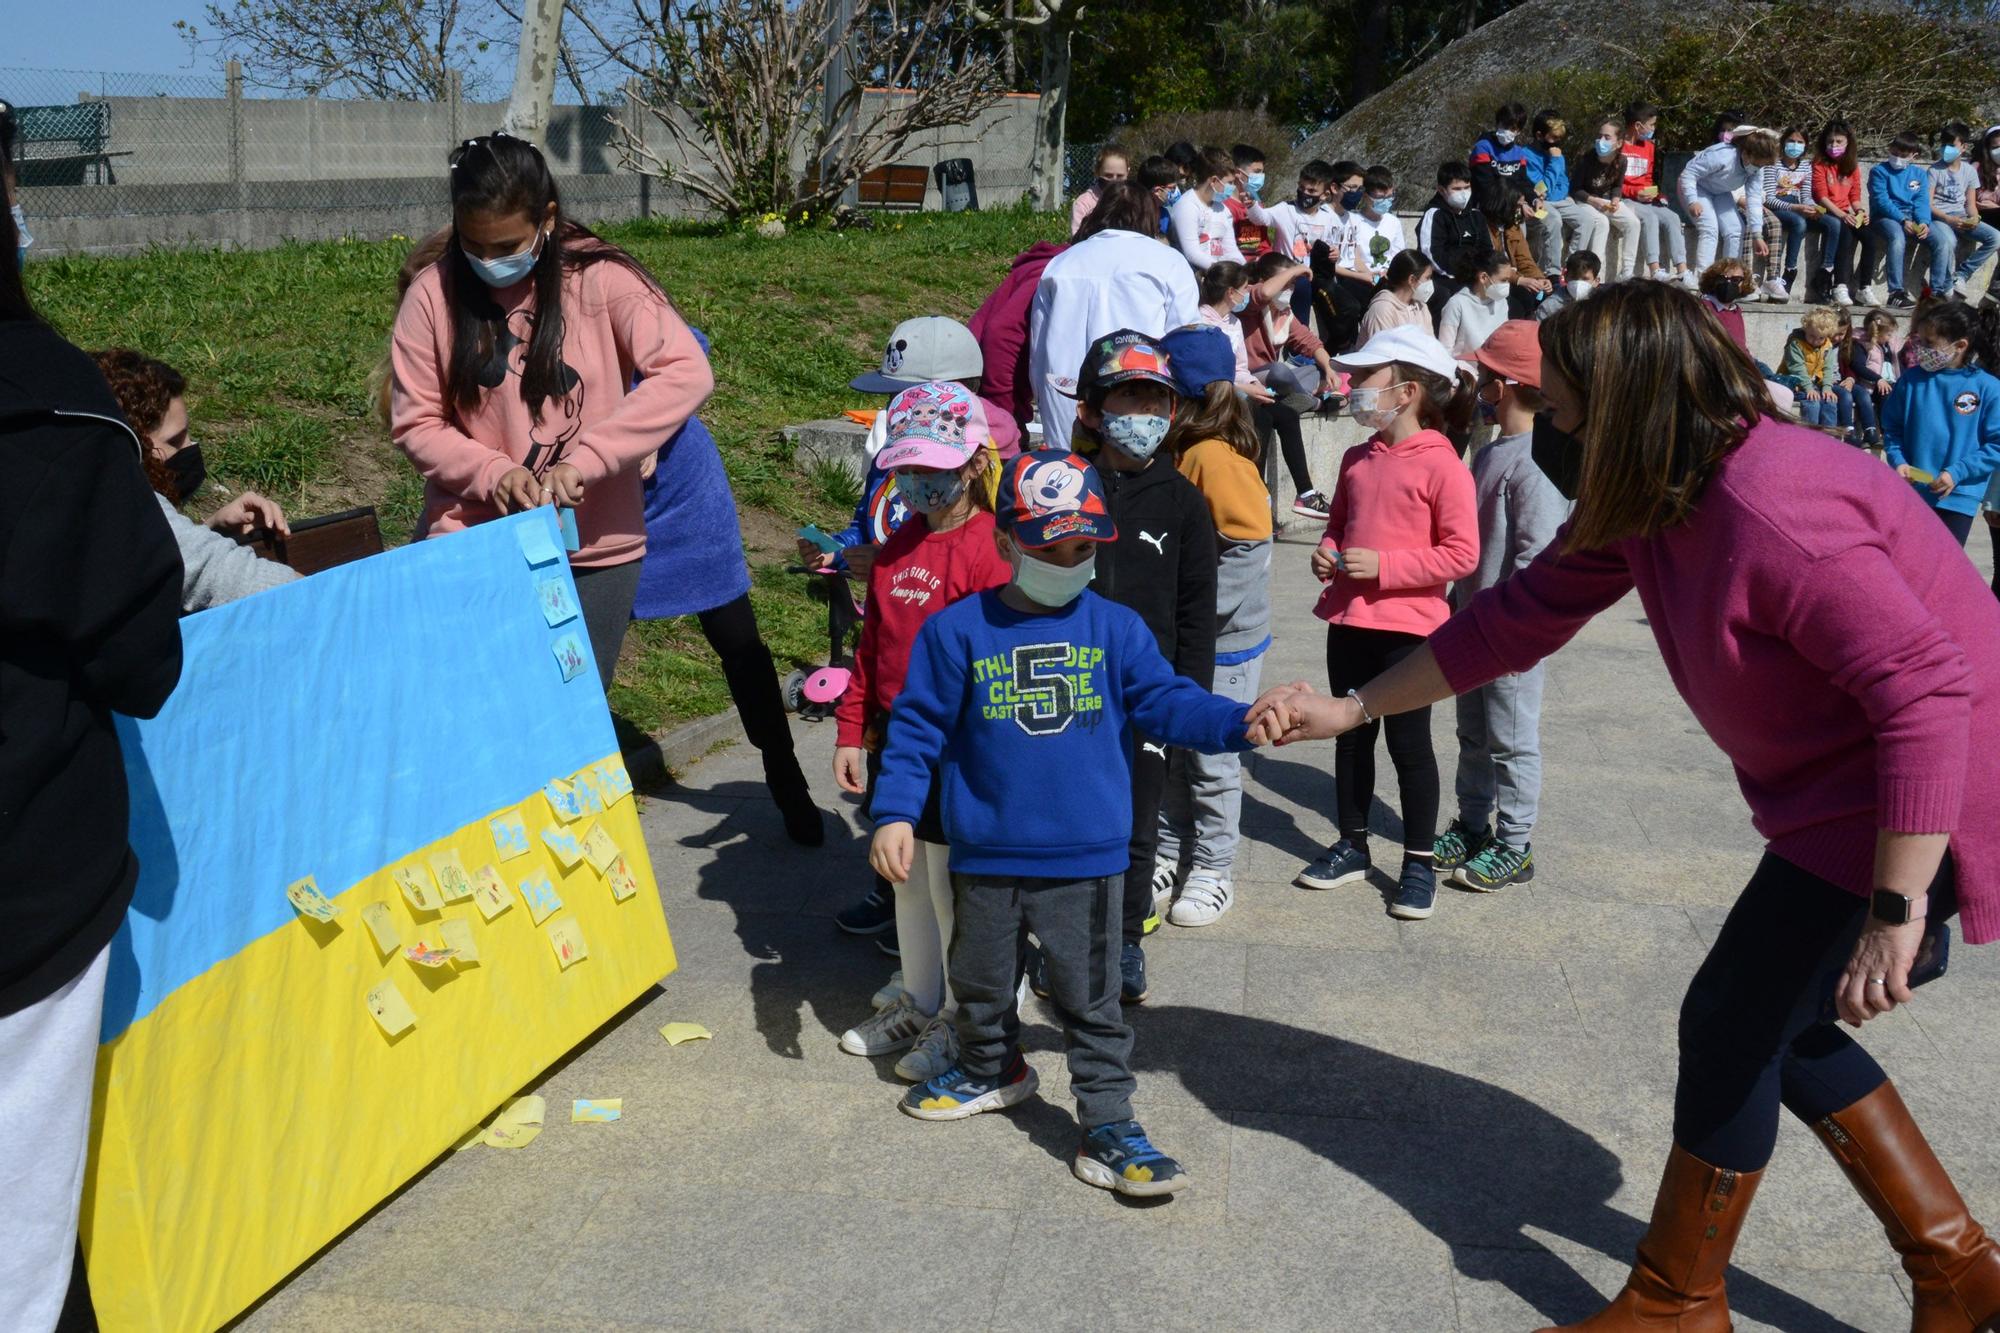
point(1029, 721)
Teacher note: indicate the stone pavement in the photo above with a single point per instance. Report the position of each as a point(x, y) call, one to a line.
point(1452, 1124)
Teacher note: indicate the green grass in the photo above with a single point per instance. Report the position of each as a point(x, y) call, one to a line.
point(277, 347)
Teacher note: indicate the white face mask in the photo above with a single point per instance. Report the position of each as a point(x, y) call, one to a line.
point(1581, 288)
point(1051, 585)
point(1364, 405)
point(1897, 163)
point(1458, 198)
point(1424, 291)
point(1499, 291)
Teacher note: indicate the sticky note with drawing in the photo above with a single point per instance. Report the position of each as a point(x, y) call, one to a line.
point(305, 896)
point(621, 879)
point(540, 896)
point(516, 1125)
point(489, 892)
point(452, 880)
point(566, 938)
point(456, 932)
point(510, 835)
point(381, 923)
point(596, 1110)
point(418, 890)
point(563, 800)
point(571, 656)
point(390, 1009)
point(424, 954)
point(599, 849)
point(564, 845)
point(614, 782)
point(558, 603)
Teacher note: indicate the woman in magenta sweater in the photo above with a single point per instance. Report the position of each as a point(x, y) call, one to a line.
point(1844, 656)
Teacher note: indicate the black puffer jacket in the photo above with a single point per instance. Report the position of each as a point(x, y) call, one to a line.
point(1162, 564)
point(90, 593)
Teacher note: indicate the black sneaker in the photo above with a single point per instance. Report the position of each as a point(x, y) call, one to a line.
point(871, 916)
point(1416, 893)
point(1312, 505)
point(1132, 974)
point(1344, 863)
point(1459, 844)
point(1038, 972)
point(889, 944)
point(1497, 866)
point(1900, 301)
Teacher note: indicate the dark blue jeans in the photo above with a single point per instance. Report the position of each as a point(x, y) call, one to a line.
point(1837, 245)
point(1795, 236)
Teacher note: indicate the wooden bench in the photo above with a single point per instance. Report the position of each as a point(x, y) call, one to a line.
point(900, 186)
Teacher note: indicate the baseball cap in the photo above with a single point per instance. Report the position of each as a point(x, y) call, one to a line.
point(921, 350)
point(1050, 496)
point(1120, 357)
point(1404, 343)
point(1199, 355)
point(1514, 352)
point(933, 425)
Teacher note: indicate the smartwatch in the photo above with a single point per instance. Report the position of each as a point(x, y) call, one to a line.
point(1894, 909)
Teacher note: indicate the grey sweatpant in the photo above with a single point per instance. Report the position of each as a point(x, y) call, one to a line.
point(1500, 755)
point(1077, 922)
point(1203, 800)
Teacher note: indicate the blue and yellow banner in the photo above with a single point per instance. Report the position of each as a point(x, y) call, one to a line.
point(410, 735)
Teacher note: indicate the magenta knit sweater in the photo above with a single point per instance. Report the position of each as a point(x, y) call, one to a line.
point(1827, 633)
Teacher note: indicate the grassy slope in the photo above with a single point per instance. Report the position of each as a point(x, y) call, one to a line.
point(277, 347)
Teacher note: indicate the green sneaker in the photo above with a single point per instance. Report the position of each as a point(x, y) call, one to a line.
point(1496, 866)
point(1458, 844)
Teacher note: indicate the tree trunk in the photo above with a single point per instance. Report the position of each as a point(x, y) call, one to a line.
point(1051, 117)
point(1372, 39)
point(529, 108)
point(1008, 71)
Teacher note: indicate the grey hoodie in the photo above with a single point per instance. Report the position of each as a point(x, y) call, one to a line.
point(215, 568)
point(1519, 512)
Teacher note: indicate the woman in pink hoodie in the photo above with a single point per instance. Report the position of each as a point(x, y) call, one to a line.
point(1404, 523)
point(512, 361)
point(1845, 655)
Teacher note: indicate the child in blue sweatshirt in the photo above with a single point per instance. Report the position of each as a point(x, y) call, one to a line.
point(1042, 683)
point(1899, 197)
point(1941, 423)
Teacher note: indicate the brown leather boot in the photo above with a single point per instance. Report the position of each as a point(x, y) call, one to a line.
point(1952, 1262)
point(1676, 1283)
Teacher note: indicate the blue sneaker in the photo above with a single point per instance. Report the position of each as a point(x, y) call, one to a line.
point(1344, 863)
point(1416, 893)
point(1118, 1156)
point(1132, 974)
point(955, 1094)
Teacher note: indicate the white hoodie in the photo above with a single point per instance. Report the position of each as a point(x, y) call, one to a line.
point(1204, 233)
point(1716, 172)
point(1115, 280)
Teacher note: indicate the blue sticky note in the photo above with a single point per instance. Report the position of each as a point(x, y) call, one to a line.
point(570, 656)
point(558, 603)
point(537, 544)
point(571, 542)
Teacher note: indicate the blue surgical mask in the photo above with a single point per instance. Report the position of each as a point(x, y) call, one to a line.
point(509, 269)
point(23, 239)
point(1240, 304)
point(1604, 147)
point(1948, 153)
point(1645, 136)
point(1254, 183)
point(1228, 190)
point(1137, 433)
point(1795, 151)
point(1381, 203)
point(930, 492)
point(1051, 585)
point(1174, 192)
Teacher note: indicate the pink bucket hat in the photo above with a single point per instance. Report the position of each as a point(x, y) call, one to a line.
point(940, 424)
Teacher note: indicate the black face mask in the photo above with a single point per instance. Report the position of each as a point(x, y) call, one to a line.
point(1558, 454)
point(1730, 290)
point(186, 470)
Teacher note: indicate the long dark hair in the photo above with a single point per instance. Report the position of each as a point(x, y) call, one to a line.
point(498, 173)
point(1952, 320)
point(14, 303)
point(1123, 206)
point(1845, 164)
point(1989, 170)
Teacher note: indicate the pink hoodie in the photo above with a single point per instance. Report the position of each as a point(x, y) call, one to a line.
point(1412, 502)
point(615, 327)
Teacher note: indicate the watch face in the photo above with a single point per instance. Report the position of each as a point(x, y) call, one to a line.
point(1893, 908)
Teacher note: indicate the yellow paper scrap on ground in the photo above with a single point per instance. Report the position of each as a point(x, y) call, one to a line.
point(622, 881)
point(566, 938)
point(599, 849)
point(415, 882)
point(516, 1125)
point(381, 924)
point(451, 876)
point(457, 935)
point(601, 1111)
point(541, 897)
point(676, 1033)
point(391, 1010)
point(305, 896)
point(489, 892)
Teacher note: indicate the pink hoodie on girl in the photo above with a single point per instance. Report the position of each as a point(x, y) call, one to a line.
point(1413, 502)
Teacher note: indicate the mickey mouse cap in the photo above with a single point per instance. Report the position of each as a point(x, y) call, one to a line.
point(1049, 496)
point(927, 348)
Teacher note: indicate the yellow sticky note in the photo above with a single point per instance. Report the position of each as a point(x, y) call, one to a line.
point(676, 1033)
point(564, 844)
point(451, 877)
point(457, 935)
point(426, 954)
point(621, 879)
point(391, 1010)
point(599, 849)
point(516, 1125)
point(541, 898)
point(381, 924)
point(510, 835)
point(305, 896)
point(614, 782)
point(601, 1111)
point(415, 882)
point(489, 892)
point(566, 938)
point(564, 800)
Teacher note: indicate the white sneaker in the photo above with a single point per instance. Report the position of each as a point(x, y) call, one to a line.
point(889, 994)
point(894, 1028)
point(936, 1051)
point(1204, 900)
point(1774, 289)
point(1962, 290)
point(1166, 878)
point(1841, 296)
point(1660, 275)
point(1688, 280)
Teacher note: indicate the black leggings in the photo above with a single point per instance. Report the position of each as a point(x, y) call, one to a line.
point(1753, 1031)
point(1149, 783)
point(1284, 421)
point(731, 629)
point(1994, 528)
point(1353, 658)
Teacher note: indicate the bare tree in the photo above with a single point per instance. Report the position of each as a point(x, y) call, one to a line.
point(1055, 22)
point(394, 50)
point(736, 89)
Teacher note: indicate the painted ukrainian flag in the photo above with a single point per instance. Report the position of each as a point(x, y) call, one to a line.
point(359, 727)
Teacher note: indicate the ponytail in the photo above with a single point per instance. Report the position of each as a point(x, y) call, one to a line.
point(1448, 406)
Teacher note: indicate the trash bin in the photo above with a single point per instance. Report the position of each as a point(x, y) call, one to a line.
point(956, 184)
